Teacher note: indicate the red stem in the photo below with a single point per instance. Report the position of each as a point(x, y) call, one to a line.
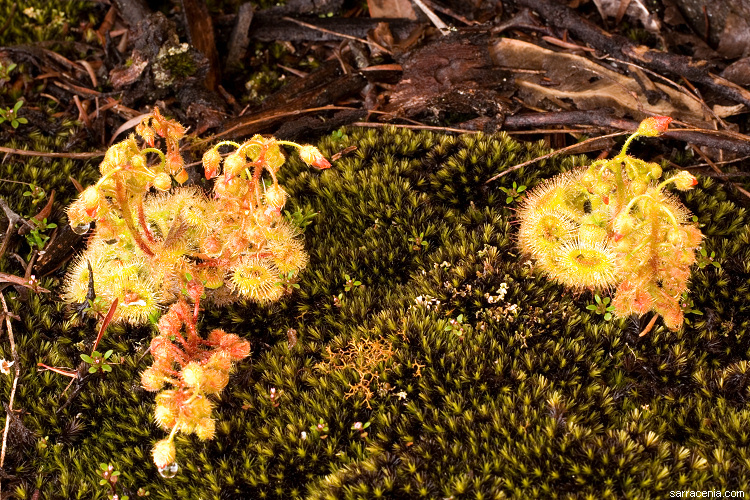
point(127, 216)
point(142, 222)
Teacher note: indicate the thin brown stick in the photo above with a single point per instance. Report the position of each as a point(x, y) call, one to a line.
point(414, 127)
point(261, 120)
point(450, 13)
point(716, 169)
point(620, 47)
point(342, 35)
point(77, 89)
point(14, 354)
point(553, 153)
point(650, 325)
point(72, 156)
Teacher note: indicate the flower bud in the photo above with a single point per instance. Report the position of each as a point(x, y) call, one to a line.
point(77, 214)
point(146, 132)
point(113, 158)
point(182, 176)
point(162, 181)
point(198, 407)
point(274, 158)
point(624, 223)
point(193, 374)
point(312, 156)
point(638, 187)
point(655, 171)
point(215, 380)
point(211, 162)
point(275, 197)
point(236, 347)
point(602, 187)
point(588, 179)
point(232, 187)
point(90, 199)
point(205, 429)
point(165, 416)
point(138, 162)
point(654, 126)
point(685, 180)
point(175, 163)
point(164, 453)
point(175, 130)
point(152, 380)
point(234, 164)
point(216, 336)
point(219, 360)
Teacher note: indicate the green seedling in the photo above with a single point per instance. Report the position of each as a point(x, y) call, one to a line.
point(514, 193)
point(98, 361)
point(602, 307)
point(11, 115)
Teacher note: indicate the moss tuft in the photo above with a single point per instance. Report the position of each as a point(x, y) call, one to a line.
point(499, 383)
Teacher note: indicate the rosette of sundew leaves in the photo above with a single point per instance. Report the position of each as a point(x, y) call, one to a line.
point(613, 226)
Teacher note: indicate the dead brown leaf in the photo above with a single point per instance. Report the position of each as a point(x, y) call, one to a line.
point(735, 39)
point(634, 9)
point(575, 82)
point(392, 9)
point(738, 72)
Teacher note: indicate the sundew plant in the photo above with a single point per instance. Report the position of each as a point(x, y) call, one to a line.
point(614, 226)
point(155, 246)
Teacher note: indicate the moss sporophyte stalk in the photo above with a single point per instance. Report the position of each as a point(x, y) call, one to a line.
point(155, 246)
point(613, 226)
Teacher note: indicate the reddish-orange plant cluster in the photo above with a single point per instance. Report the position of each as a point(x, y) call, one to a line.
point(152, 249)
point(194, 367)
point(614, 226)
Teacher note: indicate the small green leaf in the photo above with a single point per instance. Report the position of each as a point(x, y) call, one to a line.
point(88, 359)
point(108, 354)
point(92, 369)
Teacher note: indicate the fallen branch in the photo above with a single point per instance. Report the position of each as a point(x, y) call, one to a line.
point(621, 48)
point(717, 139)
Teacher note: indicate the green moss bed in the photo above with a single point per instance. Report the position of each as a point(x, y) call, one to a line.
point(486, 380)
